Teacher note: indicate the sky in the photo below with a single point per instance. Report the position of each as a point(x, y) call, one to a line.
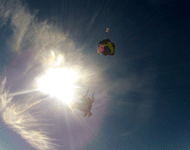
point(141, 93)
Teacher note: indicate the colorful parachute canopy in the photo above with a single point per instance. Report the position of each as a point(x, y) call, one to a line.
point(105, 48)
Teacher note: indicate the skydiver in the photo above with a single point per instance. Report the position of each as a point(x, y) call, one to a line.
point(85, 105)
point(89, 107)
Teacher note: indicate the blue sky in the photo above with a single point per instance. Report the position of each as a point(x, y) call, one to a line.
point(142, 92)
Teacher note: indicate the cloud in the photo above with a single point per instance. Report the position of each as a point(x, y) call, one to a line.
point(5, 11)
point(18, 117)
point(32, 41)
point(28, 34)
point(20, 20)
point(133, 104)
point(141, 83)
point(128, 133)
point(5, 100)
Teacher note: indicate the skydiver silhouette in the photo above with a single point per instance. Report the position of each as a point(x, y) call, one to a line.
point(85, 105)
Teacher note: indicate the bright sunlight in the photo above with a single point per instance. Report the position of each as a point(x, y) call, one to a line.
point(58, 82)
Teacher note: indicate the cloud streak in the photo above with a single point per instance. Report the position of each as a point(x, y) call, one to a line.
point(32, 41)
point(28, 34)
point(18, 117)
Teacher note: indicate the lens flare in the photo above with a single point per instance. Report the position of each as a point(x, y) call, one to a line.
point(58, 82)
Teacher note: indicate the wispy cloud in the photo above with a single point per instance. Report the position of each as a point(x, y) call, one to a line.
point(20, 19)
point(28, 34)
point(133, 104)
point(32, 41)
point(141, 83)
point(128, 133)
point(18, 117)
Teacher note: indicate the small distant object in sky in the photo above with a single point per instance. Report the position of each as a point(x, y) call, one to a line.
point(105, 47)
point(85, 105)
point(107, 29)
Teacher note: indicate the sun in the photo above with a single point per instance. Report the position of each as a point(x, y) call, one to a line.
point(58, 82)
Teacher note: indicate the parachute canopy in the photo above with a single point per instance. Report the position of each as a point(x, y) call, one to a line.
point(105, 47)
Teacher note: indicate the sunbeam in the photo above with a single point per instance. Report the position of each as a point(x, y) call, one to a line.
point(47, 71)
point(58, 82)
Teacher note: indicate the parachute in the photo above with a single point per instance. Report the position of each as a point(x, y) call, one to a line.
point(105, 47)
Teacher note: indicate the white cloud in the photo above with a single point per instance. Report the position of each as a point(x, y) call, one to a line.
point(28, 35)
point(18, 117)
point(142, 83)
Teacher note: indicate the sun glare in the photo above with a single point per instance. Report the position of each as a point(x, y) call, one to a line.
point(58, 82)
